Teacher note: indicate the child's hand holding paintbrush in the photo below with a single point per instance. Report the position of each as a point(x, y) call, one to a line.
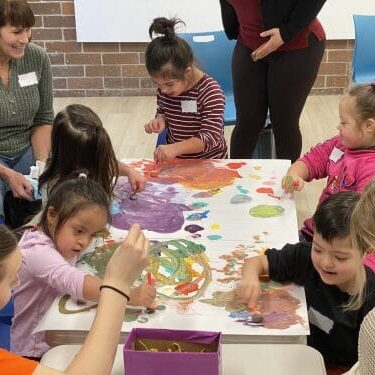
point(144, 295)
point(272, 44)
point(249, 290)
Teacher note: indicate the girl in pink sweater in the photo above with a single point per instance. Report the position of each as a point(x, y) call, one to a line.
point(76, 211)
point(347, 160)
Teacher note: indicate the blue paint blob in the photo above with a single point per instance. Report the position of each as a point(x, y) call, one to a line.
point(242, 190)
point(214, 237)
point(198, 216)
point(197, 205)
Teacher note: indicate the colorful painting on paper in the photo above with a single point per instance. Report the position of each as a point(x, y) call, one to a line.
point(221, 197)
point(203, 218)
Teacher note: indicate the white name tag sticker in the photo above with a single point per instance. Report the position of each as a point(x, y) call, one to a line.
point(189, 106)
point(27, 79)
point(336, 154)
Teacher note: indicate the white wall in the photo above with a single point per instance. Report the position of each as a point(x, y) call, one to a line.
point(128, 20)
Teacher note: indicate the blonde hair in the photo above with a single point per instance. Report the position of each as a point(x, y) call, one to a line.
point(362, 232)
point(364, 96)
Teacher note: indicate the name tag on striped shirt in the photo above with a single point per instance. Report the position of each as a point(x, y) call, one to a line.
point(27, 79)
point(189, 106)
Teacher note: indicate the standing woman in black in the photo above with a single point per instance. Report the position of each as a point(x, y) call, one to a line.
point(280, 44)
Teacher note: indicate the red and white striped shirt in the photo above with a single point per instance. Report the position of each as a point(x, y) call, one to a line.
point(200, 116)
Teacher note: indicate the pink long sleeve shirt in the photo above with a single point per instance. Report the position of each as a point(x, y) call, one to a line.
point(44, 275)
point(344, 168)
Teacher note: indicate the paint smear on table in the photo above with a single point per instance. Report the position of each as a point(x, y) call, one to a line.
point(157, 208)
point(265, 211)
point(201, 174)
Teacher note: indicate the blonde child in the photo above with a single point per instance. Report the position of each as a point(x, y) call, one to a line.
point(190, 104)
point(362, 228)
point(76, 211)
point(97, 353)
point(348, 159)
point(80, 142)
point(339, 288)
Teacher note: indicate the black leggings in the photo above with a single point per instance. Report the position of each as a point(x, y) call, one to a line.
point(281, 83)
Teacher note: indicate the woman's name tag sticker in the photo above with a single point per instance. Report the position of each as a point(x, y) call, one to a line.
point(27, 79)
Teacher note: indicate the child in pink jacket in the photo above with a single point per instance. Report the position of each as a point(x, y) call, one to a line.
point(347, 160)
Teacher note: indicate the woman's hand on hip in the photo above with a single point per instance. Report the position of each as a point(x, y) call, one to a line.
point(272, 44)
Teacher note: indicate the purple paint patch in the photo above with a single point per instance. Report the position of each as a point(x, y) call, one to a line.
point(193, 228)
point(154, 210)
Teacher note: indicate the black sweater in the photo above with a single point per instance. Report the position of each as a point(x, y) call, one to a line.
point(333, 331)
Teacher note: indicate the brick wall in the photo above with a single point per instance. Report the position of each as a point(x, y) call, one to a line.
point(117, 69)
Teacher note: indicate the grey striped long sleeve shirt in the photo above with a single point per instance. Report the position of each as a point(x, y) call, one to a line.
point(22, 108)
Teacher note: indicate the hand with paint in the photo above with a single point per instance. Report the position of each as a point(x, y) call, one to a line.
point(292, 183)
point(156, 125)
point(143, 295)
point(295, 177)
point(248, 289)
point(136, 180)
point(165, 152)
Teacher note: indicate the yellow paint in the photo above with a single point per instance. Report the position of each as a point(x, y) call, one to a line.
point(255, 177)
point(215, 226)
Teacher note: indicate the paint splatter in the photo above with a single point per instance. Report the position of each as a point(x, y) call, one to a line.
point(198, 216)
point(255, 177)
point(157, 208)
point(265, 190)
point(196, 174)
point(269, 183)
point(198, 205)
point(207, 194)
point(240, 198)
point(214, 237)
point(215, 226)
point(265, 210)
point(276, 304)
point(193, 228)
point(242, 190)
point(235, 165)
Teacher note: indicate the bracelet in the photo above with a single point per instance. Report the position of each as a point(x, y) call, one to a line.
point(116, 290)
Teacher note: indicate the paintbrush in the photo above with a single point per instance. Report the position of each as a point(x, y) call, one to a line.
point(133, 195)
point(256, 316)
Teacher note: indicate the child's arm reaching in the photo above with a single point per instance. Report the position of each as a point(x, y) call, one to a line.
point(156, 125)
point(295, 177)
point(143, 295)
point(136, 179)
point(248, 290)
point(192, 145)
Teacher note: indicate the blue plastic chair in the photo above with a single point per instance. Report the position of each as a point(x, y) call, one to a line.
point(213, 52)
point(364, 49)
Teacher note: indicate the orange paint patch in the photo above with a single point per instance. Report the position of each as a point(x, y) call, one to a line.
point(265, 190)
point(194, 174)
point(235, 165)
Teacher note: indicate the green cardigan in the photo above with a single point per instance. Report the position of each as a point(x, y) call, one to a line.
point(22, 108)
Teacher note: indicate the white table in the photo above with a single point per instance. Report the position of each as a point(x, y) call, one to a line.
point(237, 359)
point(228, 232)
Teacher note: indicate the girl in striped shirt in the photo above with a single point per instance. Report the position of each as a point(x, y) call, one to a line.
point(190, 104)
